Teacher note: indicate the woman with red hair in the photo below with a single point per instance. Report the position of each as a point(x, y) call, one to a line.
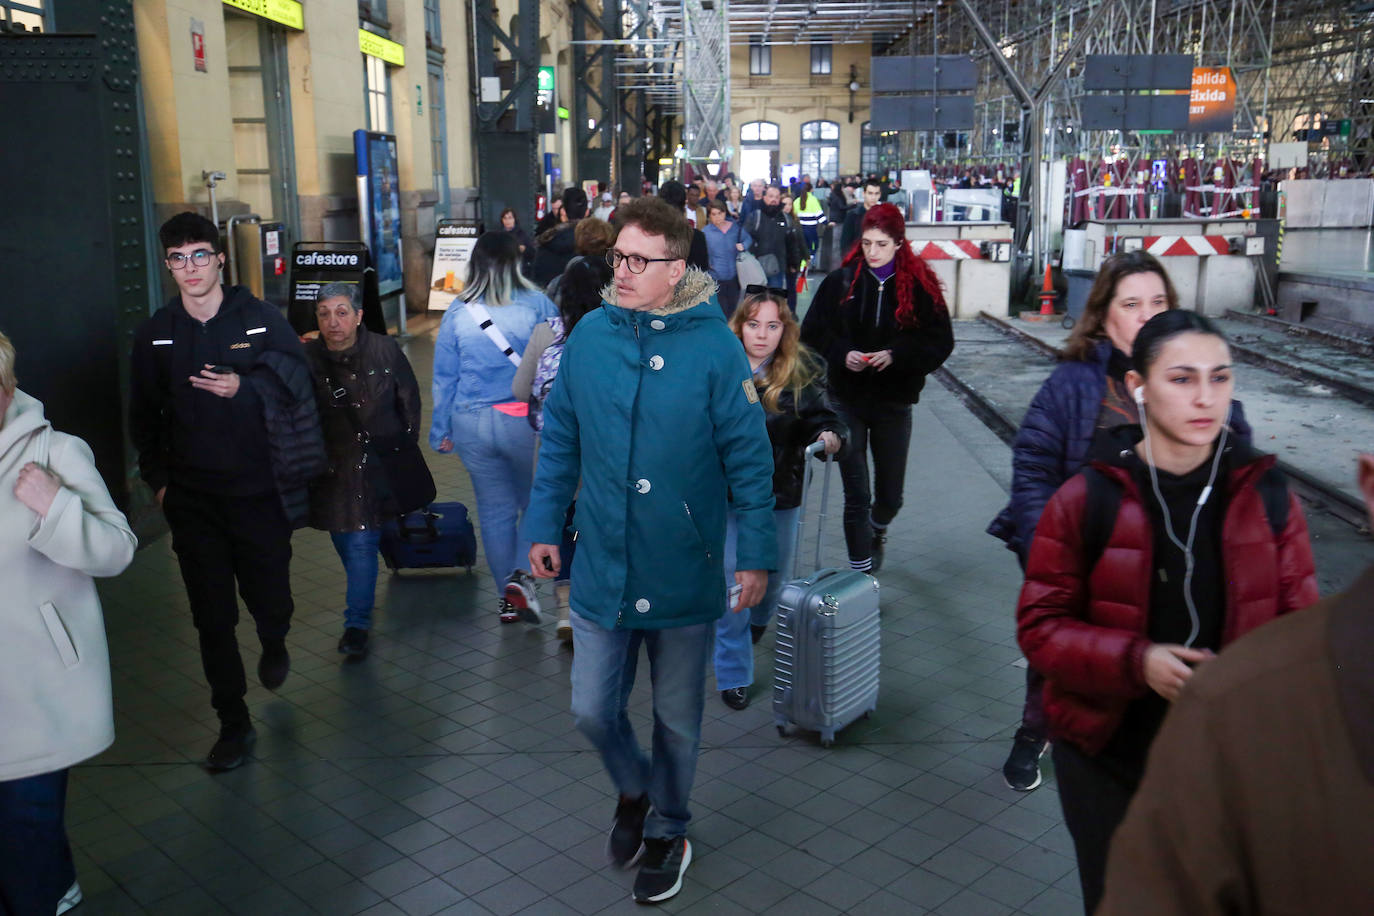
point(881, 323)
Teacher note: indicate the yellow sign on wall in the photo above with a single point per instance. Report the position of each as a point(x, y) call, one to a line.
point(377, 46)
point(286, 12)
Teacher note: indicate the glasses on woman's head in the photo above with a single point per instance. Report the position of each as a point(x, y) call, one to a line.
point(758, 289)
point(635, 262)
point(199, 258)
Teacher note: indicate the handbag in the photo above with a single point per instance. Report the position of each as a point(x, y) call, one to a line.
point(749, 271)
point(396, 467)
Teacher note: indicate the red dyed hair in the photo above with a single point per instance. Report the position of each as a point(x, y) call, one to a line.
point(911, 270)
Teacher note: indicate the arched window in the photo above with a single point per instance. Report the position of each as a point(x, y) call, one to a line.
point(759, 133)
point(820, 149)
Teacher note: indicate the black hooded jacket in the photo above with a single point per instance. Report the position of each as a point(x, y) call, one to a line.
point(866, 321)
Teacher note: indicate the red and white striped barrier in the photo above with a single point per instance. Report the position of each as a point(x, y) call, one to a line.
point(949, 250)
point(1173, 246)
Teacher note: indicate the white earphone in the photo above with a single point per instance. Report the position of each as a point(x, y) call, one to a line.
point(1187, 548)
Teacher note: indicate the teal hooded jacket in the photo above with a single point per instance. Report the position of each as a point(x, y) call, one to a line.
point(655, 414)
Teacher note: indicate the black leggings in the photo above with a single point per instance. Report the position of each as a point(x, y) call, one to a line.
point(886, 428)
point(1094, 797)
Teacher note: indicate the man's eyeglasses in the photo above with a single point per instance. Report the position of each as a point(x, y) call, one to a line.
point(200, 257)
point(635, 262)
point(758, 289)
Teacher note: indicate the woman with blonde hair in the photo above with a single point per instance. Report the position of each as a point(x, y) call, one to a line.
point(790, 382)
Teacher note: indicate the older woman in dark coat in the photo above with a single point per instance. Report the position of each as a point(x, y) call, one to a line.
point(364, 384)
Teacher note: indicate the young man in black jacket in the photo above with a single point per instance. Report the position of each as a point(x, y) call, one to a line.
point(218, 380)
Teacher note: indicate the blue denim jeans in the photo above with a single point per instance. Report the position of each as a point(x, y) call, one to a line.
point(498, 452)
point(603, 674)
point(358, 551)
point(35, 858)
point(734, 653)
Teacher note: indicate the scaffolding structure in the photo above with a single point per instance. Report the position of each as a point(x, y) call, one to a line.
point(1296, 65)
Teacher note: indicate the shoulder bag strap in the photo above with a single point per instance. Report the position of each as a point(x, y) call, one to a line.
point(479, 314)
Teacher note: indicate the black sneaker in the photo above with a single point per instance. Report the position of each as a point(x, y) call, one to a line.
point(354, 642)
point(274, 665)
point(735, 697)
point(1022, 769)
point(660, 873)
point(232, 747)
point(756, 632)
point(626, 842)
point(879, 545)
point(521, 596)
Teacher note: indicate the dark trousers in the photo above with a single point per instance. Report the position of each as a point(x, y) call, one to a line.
point(1094, 798)
point(727, 294)
point(35, 859)
point(885, 428)
point(1033, 721)
point(220, 541)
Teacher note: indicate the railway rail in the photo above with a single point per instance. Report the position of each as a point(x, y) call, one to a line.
point(1316, 493)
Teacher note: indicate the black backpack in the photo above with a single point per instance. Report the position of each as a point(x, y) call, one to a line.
point(1104, 501)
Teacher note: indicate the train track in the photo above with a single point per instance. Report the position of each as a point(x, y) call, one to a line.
point(1350, 344)
point(1312, 491)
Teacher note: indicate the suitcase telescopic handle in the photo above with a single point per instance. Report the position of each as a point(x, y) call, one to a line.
point(815, 448)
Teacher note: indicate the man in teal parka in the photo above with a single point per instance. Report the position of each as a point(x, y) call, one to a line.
point(654, 412)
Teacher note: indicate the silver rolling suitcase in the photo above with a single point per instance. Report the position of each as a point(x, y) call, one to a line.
point(825, 672)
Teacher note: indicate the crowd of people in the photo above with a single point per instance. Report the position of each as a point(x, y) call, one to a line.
point(635, 422)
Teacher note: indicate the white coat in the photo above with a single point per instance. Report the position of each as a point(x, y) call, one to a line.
point(54, 665)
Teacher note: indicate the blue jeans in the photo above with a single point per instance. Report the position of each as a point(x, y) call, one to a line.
point(734, 653)
point(777, 281)
point(358, 551)
point(36, 865)
point(603, 674)
point(498, 452)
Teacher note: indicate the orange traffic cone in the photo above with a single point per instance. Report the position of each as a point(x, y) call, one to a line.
point(1047, 294)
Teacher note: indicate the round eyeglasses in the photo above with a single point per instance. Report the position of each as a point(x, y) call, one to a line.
point(636, 263)
point(199, 258)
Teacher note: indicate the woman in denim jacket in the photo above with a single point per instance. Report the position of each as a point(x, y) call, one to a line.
point(474, 413)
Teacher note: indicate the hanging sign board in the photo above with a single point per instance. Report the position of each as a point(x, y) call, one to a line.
point(454, 240)
point(283, 12)
point(1212, 104)
point(375, 45)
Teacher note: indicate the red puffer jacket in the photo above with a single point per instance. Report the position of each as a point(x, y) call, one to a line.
point(1085, 630)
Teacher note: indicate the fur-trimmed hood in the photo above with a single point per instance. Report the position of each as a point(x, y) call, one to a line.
point(695, 287)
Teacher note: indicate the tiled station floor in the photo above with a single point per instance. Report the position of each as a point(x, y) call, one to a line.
point(443, 773)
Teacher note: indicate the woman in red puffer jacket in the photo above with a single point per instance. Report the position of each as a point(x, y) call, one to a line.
point(1143, 566)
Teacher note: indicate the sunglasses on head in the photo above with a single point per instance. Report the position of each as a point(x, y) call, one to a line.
point(758, 289)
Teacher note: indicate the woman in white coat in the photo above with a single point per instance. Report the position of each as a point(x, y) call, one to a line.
point(58, 528)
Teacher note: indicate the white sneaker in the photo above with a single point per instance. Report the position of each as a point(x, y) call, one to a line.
point(521, 596)
point(70, 899)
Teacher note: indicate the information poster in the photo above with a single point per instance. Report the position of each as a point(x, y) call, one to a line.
point(454, 240)
point(380, 193)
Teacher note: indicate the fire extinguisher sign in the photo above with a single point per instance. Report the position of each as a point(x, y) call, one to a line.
point(198, 44)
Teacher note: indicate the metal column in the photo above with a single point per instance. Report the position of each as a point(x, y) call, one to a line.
point(508, 168)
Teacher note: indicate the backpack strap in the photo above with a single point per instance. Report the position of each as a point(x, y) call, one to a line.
point(1273, 491)
point(479, 314)
point(1100, 508)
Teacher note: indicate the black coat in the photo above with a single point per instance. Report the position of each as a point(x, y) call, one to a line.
point(795, 426)
point(374, 381)
point(551, 256)
point(265, 437)
point(839, 322)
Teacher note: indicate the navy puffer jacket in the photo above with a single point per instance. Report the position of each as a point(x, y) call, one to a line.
point(1053, 442)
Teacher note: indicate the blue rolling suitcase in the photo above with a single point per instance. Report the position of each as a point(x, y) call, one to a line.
point(438, 536)
point(828, 647)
